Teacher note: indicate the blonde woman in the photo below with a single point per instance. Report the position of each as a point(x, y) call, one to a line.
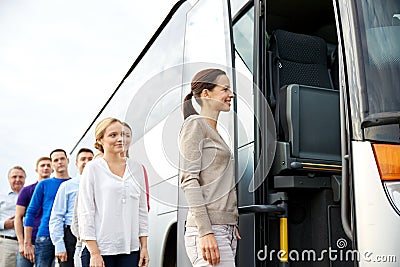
point(112, 208)
point(207, 174)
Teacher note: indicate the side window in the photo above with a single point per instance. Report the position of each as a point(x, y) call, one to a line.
point(243, 36)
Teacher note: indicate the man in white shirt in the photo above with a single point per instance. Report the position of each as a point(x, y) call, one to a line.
point(8, 239)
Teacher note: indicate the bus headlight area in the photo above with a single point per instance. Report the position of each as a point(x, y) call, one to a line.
point(393, 191)
point(387, 157)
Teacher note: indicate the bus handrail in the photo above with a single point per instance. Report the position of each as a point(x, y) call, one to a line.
point(344, 208)
point(261, 209)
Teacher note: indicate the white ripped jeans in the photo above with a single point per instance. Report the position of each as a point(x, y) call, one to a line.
point(227, 243)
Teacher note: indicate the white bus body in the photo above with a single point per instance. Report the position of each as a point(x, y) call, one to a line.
point(335, 187)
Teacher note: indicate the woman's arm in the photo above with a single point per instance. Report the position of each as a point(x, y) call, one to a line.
point(191, 141)
point(143, 223)
point(86, 205)
point(144, 254)
point(96, 260)
point(86, 208)
point(143, 208)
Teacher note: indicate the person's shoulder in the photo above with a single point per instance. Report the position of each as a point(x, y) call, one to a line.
point(28, 188)
point(45, 181)
point(193, 121)
point(63, 184)
point(94, 165)
point(89, 164)
point(71, 181)
point(96, 161)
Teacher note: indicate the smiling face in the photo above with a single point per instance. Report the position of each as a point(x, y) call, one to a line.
point(16, 178)
point(221, 94)
point(112, 141)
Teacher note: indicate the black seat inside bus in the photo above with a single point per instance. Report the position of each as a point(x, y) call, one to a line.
point(300, 59)
point(307, 105)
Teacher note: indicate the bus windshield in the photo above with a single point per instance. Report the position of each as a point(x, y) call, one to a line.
point(379, 23)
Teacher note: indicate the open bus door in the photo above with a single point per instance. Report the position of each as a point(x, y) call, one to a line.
point(256, 142)
point(291, 213)
point(256, 151)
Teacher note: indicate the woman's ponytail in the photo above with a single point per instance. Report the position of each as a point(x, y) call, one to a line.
point(188, 108)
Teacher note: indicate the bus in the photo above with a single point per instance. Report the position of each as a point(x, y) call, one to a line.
point(314, 126)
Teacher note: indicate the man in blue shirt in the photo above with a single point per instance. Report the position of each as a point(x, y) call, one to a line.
point(8, 239)
point(43, 197)
point(63, 211)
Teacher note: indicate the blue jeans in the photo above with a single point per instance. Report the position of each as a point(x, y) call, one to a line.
point(44, 252)
point(120, 260)
point(23, 262)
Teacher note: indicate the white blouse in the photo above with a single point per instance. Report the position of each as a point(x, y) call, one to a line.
point(112, 210)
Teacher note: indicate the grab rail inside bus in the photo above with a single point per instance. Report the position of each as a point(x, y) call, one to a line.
point(344, 204)
point(281, 210)
point(262, 209)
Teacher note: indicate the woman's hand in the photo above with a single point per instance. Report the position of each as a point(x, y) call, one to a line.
point(144, 257)
point(209, 249)
point(237, 233)
point(96, 260)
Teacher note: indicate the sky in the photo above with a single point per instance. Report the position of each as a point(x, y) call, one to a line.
point(59, 63)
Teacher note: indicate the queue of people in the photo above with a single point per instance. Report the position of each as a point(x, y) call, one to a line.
point(100, 218)
point(62, 213)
